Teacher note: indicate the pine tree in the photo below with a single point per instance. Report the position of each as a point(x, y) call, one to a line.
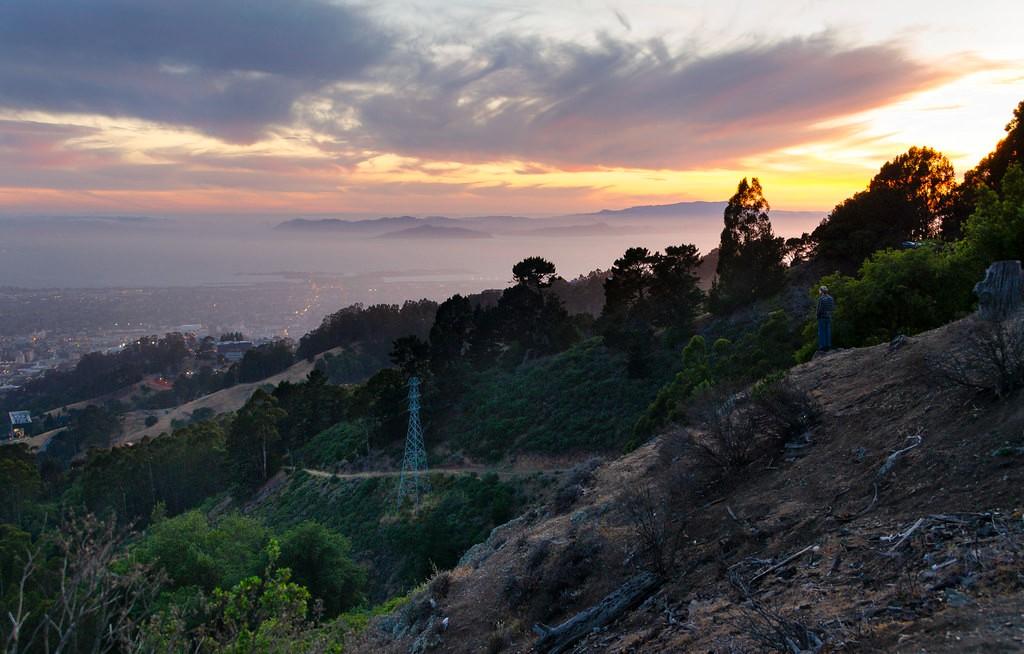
point(252, 439)
point(750, 256)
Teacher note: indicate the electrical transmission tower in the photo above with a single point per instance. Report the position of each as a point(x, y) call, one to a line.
point(413, 482)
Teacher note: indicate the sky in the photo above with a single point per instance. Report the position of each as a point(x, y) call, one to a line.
point(468, 107)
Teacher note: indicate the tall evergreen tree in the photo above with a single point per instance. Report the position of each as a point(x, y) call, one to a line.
point(450, 334)
point(536, 273)
point(535, 320)
point(252, 440)
point(675, 295)
point(625, 323)
point(646, 291)
point(627, 289)
point(750, 256)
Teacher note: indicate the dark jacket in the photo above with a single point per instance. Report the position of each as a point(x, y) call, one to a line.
point(826, 305)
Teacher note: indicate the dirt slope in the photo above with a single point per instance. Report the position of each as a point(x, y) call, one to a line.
point(931, 561)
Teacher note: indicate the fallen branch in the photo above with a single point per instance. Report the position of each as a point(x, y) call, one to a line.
point(891, 460)
point(554, 640)
point(781, 563)
point(883, 472)
point(907, 534)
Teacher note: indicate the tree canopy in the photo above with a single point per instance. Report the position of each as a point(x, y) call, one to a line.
point(908, 200)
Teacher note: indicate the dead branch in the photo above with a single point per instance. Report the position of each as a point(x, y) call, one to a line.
point(773, 631)
point(907, 534)
point(781, 563)
point(891, 460)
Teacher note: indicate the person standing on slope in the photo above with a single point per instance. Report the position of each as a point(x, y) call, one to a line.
point(826, 305)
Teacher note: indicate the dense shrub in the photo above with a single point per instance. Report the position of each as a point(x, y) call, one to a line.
point(336, 444)
point(457, 513)
point(899, 292)
point(195, 552)
point(766, 349)
point(200, 554)
point(319, 560)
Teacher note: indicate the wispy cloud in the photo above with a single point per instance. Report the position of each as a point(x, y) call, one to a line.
point(624, 103)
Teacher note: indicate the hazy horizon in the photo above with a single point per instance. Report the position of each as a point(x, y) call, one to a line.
point(111, 251)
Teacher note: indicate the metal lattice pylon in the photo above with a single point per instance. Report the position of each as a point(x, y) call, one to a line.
point(413, 483)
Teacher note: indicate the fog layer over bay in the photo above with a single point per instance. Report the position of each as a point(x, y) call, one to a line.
point(40, 252)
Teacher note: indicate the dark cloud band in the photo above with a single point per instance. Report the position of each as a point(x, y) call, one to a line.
point(227, 67)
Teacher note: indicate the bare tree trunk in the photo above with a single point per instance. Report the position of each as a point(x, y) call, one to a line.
point(1001, 293)
point(630, 594)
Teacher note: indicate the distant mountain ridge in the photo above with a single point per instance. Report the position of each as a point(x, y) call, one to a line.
point(696, 207)
point(434, 231)
point(658, 217)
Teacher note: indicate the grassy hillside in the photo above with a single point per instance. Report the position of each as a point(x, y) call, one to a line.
point(576, 401)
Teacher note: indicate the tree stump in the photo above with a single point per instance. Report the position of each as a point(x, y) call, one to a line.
point(1001, 293)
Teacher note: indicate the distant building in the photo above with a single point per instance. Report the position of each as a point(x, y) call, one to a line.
point(233, 351)
point(21, 422)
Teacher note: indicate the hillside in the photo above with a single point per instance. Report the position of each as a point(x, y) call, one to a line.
point(222, 401)
point(922, 556)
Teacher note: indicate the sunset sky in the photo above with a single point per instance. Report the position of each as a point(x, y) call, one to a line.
point(485, 106)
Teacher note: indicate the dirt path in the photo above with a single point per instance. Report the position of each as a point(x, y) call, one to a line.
point(501, 473)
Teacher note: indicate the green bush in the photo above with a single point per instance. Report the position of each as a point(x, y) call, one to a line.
point(319, 561)
point(195, 552)
point(995, 231)
point(899, 292)
point(699, 365)
point(200, 554)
